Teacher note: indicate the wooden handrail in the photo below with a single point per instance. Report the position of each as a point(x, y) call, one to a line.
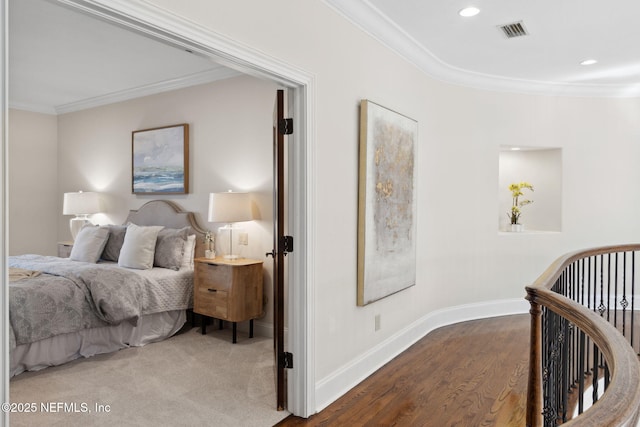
point(620, 405)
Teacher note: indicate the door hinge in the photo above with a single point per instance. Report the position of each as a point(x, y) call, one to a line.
point(287, 360)
point(286, 244)
point(285, 126)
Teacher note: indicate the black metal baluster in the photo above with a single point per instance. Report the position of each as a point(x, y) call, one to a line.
point(594, 380)
point(582, 282)
point(589, 283)
point(565, 385)
point(624, 303)
point(601, 306)
point(589, 275)
point(615, 293)
point(547, 374)
point(609, 287)
point(576, 345)
point(581, 378)
point(633, 293)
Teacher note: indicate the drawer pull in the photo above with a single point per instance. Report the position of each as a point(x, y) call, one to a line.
point(212, 290)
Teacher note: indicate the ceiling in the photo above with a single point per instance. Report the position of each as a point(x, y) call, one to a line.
point(61, 60)
point(475, 52)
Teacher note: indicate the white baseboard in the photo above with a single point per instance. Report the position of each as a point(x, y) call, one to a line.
point(263, 329)
point(330, 388)
point(260, 329)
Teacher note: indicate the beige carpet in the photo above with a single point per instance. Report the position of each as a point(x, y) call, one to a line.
point(187, 380)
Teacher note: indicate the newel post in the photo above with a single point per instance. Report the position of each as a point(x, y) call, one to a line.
point(534, 387)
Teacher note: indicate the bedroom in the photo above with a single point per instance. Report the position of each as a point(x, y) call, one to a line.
point(347, 66)
point(230, 123)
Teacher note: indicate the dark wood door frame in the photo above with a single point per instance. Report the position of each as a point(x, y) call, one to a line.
point(279, 252)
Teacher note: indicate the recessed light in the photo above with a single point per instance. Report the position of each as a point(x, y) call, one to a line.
point(588, 62)
point(469, 11)
point(515, 148)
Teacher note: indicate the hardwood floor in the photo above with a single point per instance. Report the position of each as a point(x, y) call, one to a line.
point(468, 374)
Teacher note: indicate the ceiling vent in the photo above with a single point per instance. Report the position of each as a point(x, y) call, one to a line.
point(515, 29)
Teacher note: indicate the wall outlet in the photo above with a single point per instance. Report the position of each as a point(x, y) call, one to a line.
point(377, 322)
point(243, 239)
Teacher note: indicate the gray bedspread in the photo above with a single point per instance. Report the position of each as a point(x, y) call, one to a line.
point(71, 295)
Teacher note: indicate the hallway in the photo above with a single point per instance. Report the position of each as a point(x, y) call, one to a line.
point(468, 374)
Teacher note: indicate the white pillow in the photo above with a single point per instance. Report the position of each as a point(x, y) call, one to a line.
point(189, 250)
point(89, 243)
point(139, 247)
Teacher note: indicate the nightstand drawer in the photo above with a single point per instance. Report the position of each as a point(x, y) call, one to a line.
point(214, 276)
point(211, 302)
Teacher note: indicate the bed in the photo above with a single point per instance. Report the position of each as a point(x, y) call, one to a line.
point(61, 309)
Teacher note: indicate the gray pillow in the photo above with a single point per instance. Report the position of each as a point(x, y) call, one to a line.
point(89, 243)
point(114, 243)
point(189, 252)
point(138, 247)
point(170, 248)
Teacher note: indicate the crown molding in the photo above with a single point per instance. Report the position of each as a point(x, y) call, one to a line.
point(208, 76)
point(33, 108)
point(369, 19)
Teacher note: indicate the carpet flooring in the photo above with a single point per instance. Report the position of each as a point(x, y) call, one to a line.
point(187, 380)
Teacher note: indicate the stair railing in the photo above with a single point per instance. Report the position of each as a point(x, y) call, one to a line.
point(583, 361)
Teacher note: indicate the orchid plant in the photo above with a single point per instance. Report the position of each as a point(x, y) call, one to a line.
point(516, 192)
point(209, 239)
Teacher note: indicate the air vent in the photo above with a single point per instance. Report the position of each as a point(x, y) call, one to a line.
point(515, 29)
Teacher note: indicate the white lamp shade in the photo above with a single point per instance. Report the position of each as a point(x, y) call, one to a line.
point(81, 203)
point(229, 207)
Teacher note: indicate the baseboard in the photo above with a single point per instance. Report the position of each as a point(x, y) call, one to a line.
point(330, 388)
point(263, 329)
point(260, 329)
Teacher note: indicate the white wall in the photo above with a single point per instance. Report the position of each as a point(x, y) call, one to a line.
point(33, 179)
point(461, 257)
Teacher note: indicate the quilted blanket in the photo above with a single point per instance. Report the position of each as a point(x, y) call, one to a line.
point(69, 296)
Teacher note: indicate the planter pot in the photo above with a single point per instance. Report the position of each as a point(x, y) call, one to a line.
point(517, 228)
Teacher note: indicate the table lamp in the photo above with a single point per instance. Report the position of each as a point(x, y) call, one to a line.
point(81, 204)
point(229, 207)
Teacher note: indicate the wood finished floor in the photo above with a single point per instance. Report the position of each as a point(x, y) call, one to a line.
point(465, 375)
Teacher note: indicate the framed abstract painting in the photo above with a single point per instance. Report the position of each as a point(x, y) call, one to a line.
point(386, 203)
point(160, 160)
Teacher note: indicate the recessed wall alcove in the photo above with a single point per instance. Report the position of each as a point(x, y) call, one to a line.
point(541, 167)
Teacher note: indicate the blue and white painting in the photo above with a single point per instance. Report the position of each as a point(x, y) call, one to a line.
point(160, 160)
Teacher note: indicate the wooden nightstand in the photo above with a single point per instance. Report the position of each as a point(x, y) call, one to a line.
point(228, 290)
point(64, 249)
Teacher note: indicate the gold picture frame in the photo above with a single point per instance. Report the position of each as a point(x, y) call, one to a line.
point(386, 203)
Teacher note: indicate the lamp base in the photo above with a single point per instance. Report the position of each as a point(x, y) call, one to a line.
point(76, 224)
point(230, 228)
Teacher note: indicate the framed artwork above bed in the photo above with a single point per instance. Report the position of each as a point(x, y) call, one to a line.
point(160, 160)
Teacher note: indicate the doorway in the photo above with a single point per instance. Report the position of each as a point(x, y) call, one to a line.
point(154, 23)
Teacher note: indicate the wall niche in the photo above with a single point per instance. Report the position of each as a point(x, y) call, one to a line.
point(541, 167)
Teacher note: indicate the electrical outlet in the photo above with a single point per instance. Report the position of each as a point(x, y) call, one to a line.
point(377, 322)
point(243, 239)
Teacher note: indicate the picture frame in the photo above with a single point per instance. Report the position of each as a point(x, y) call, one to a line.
point(386, 203)
point(160, 160)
